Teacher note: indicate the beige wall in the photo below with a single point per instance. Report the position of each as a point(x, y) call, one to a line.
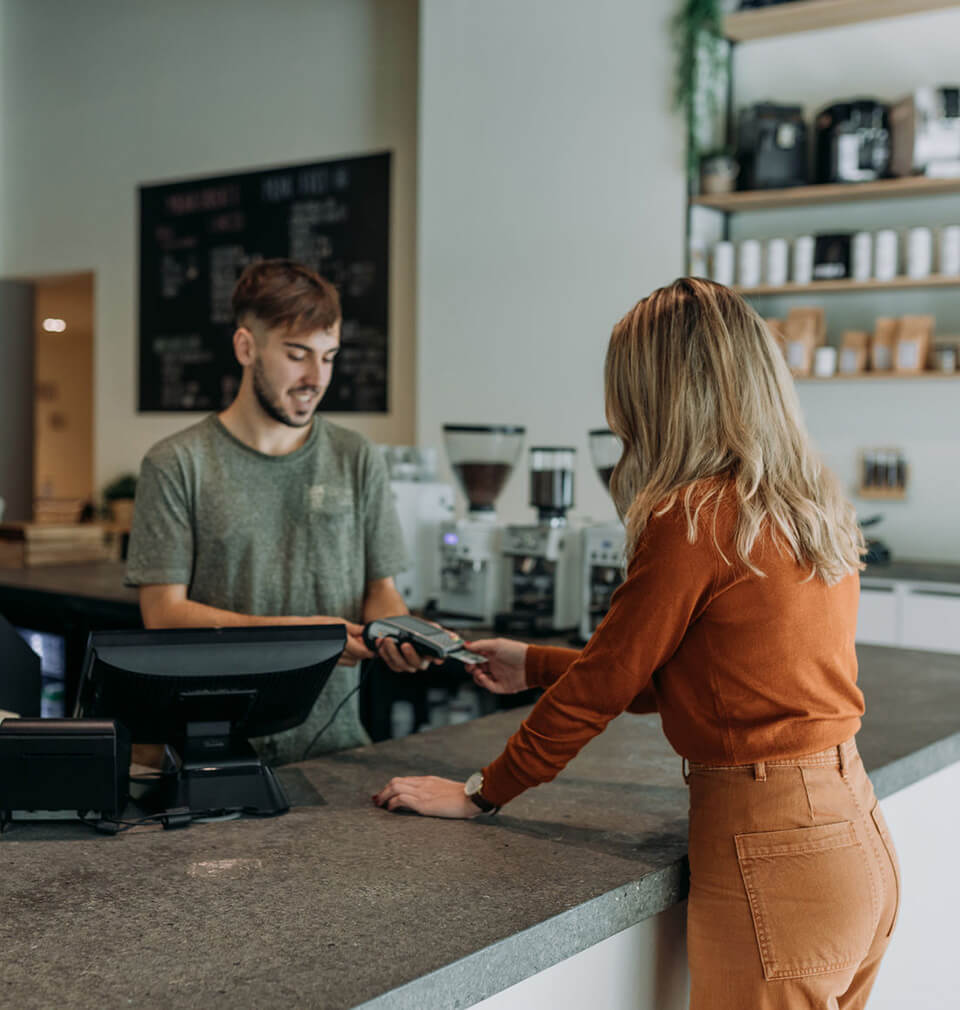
point(99, 97)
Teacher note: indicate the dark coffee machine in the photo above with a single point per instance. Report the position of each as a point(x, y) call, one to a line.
point(603, 543)
point(772, 146)
point(543, 560)
point(482, 456)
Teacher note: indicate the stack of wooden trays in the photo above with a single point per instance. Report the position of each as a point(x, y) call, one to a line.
point(25, 544)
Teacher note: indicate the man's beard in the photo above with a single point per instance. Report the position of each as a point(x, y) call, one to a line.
point(271, 406)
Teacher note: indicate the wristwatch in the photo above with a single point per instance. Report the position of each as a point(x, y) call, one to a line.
point(471, 789)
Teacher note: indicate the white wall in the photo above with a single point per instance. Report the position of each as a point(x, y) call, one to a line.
point(551, 198)
point(882, 59)
point(102, 96)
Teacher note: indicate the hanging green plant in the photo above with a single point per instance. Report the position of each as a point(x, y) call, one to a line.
point(701, 68)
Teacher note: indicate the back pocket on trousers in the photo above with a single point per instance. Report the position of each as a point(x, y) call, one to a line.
point(812, 898)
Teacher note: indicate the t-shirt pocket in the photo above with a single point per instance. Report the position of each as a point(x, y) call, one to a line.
point(329, 502)
point(812, 897)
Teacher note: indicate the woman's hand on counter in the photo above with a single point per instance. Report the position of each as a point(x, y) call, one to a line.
point(505, 670)
point(427, 795)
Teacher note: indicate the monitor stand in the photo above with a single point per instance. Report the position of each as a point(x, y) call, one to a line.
point(212, 770)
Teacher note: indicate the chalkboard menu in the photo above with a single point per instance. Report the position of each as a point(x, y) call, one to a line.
point(197, 236)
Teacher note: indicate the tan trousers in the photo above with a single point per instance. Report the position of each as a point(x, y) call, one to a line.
point(794, 884)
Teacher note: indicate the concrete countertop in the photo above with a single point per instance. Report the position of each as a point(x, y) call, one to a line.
point(915, 571)
point(98, 580)
point(103, 580)
point(339, 904)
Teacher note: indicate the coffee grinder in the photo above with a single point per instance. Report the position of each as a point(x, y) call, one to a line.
point(422, 503)
point(471, 565)
point(543, 561)
point(603, 543)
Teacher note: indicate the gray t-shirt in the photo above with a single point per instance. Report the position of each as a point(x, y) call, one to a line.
point(300, 534)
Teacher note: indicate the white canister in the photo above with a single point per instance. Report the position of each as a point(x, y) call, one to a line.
point(723, 263)
point(698, 258)
point(950, 250)
point(776, 270)
point(919, 252)
point(862, 256)
point(825, 362)
point(749, 263)
point(803, 259)
point(885, 257)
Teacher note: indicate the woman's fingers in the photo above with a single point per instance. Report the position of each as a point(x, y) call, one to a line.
point(485, 646)
point(427, 795)
point(404, 800)
point(484, 680)
point(392, 788)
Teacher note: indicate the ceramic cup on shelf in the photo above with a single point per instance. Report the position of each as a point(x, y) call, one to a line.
point(919, 253)
point(723, 263)
point(950, 250)
point(946, 359)
point(750, 263)
point(885, 254)
point(803, 247)
point(777, 260)
point(862, 256)
point(698, 257)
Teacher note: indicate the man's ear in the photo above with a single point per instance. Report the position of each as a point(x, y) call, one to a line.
point(244, 346)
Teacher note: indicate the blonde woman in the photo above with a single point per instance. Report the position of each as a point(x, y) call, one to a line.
point(736, 623)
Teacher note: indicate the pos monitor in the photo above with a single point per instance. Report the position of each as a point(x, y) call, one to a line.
point(204, 691)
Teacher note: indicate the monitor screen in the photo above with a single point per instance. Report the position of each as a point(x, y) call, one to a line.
point(205, 691)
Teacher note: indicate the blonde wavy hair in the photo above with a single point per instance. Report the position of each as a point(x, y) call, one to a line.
point(699, 394)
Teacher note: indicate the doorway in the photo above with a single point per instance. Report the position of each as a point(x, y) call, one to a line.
point(63, 397)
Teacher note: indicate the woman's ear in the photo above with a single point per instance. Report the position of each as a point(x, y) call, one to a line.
point(244, 346)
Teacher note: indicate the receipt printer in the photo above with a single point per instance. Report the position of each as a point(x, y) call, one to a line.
point(64, 764)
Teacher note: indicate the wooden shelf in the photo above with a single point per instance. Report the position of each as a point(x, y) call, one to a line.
point(810, 15)
point(828, 287)
point(882, 494)
point(880, 377)
point(803, 196)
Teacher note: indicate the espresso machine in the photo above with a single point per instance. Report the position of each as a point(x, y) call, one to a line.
point(603, 543)
point(423, 503)
point(543, 560)
point(471, 565)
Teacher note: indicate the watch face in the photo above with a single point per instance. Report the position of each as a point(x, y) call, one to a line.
point(473, 784)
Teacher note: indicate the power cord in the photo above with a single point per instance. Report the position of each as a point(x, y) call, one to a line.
point(176, 817)
point(172, 819)
point(323, 729)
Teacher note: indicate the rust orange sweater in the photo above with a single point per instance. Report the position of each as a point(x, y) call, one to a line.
point(740, 667)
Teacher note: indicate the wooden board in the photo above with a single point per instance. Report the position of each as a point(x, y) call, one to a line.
point(802, 196)
point(826, 287)
point(25, 545)
point(811, 15)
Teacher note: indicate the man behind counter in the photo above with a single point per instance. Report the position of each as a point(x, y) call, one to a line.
point(270, 514)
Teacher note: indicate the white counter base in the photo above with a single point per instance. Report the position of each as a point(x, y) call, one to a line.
point(644, 967)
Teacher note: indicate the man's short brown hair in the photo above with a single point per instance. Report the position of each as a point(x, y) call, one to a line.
point(286, 295)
